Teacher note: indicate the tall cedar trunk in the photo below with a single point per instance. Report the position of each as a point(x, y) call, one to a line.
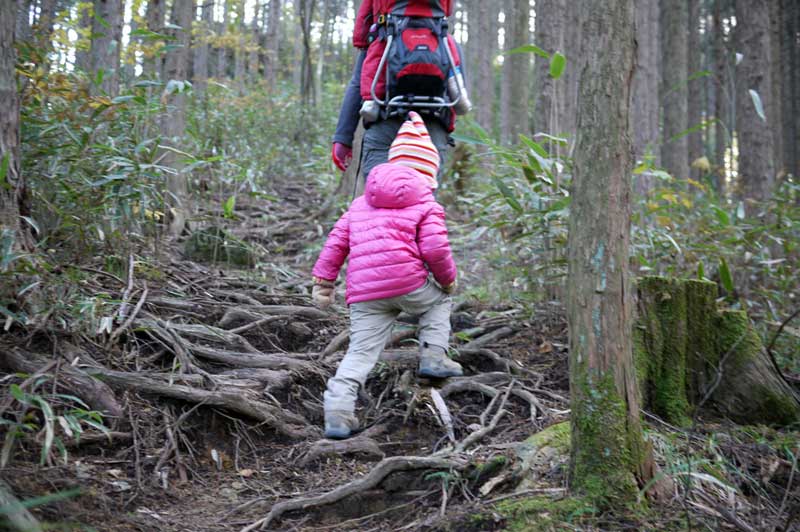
point(324, 47)
point(222, 52)
point(505, 79)
point(754, 134)
point(253, 62)
point(240, 52)
point(173, 125)
point(483, 93)
point(550, 27)
point(83, 60)
point(790, 57)
point(607, 453)
point(106, 43)
point(516, 71)
point(152, 67)
point(273, 42)
point(721, 97)
point(674, 19)
point(775, 109)
point(572, 43)
point(644, 105)
point(202, 49)
point(695, 86)
point(44, 30)
point(13, 186)
point(306, 15)
point(23, 17)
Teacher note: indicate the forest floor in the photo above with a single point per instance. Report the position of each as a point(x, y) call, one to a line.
point(218, 374)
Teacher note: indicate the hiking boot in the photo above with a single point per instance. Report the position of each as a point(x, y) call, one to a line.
point(434, 363)
point(339, 424)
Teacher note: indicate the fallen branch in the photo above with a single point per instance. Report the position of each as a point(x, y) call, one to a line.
point(370, 480)
point(241, 402)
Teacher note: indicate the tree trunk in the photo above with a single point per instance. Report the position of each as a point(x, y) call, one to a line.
point(691, 357)
point(253, 62)
point(273, 42)
point(44, 30)
point(306, 14)
point(516, 72)
point(790, 57)
point(694, 87)
point(23, 25)
point(12, 186)
point(222, 53)
point(754, 134)
point(674, 18)
point(152, 67)
point(776, 66)
point(323, 49)
point(721, 97)
point(608, 454)
point(83, 60)
point(550, 35)
point(240, 52)
point(202, 49)
point(483, 76)
point(174, 122)
point(572, 45)
point(645, 107)
point(106, 43)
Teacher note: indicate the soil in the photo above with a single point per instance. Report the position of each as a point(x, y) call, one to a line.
point(184, 465)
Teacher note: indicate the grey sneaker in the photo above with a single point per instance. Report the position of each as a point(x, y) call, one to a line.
point(339, 424)
point(434, 363)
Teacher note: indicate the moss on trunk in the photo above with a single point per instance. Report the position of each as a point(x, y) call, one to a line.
point(686, 349)
point(602, 467)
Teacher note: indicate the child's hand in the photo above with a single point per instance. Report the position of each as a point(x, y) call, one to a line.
point(449, 289)
point(322, 294)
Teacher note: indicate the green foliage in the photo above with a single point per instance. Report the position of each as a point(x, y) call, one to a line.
point(50, 417)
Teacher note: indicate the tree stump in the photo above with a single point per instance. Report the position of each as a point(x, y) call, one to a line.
point(690, 355)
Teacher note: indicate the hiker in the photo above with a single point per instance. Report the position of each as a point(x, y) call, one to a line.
point(426, 69)
point(395, 235)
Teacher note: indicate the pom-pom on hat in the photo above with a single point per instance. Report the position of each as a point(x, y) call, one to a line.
point(412, 147)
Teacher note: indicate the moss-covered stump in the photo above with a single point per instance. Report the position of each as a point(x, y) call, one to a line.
point(213, 244)
point(685, 349)
point(750, 389)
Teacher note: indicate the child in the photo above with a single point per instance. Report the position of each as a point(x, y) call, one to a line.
point(391, 233)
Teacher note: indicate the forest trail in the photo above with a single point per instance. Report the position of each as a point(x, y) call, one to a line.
point(219, 374)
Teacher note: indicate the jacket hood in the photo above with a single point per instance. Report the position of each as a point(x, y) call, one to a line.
point(392, 186)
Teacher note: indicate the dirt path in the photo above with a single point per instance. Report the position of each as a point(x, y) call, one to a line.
point(219, 374)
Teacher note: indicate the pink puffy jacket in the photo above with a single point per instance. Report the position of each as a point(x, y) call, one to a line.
point(391, 233)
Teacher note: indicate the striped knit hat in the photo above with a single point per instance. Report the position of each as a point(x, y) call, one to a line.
point(412, 147)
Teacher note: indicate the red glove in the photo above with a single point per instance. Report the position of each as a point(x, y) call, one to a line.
point(341, 155)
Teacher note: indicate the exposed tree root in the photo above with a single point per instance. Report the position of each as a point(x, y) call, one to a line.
point(383, 469)
point(256, 312)
point(357, 445)
point(94, 393)
point(279, 361)
point(242, 402)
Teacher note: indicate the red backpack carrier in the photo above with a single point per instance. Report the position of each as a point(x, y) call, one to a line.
point(410, 56)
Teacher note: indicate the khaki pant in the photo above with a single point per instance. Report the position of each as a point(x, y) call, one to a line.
point(371, 327)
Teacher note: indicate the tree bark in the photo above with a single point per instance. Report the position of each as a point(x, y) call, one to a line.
point(106, 43)
point(694, 87)
point(645, 107)
point(516, 71)
point(173, 125)
point(253, 62)
point(550, 26)
point(222, 53)
point(305, 11)
point(273, 42)
point(754, 134)
point(721, 97)
point(240, 53)
point(608, 454)
point(484, 35)
point(790, 57)
point(23, 26)
point(776, 66)
point(153, 65)
point(691, 357)
point(12, 186)
point(674, 20)
point(571, 73)
point(323, 49)
point(202, 49)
